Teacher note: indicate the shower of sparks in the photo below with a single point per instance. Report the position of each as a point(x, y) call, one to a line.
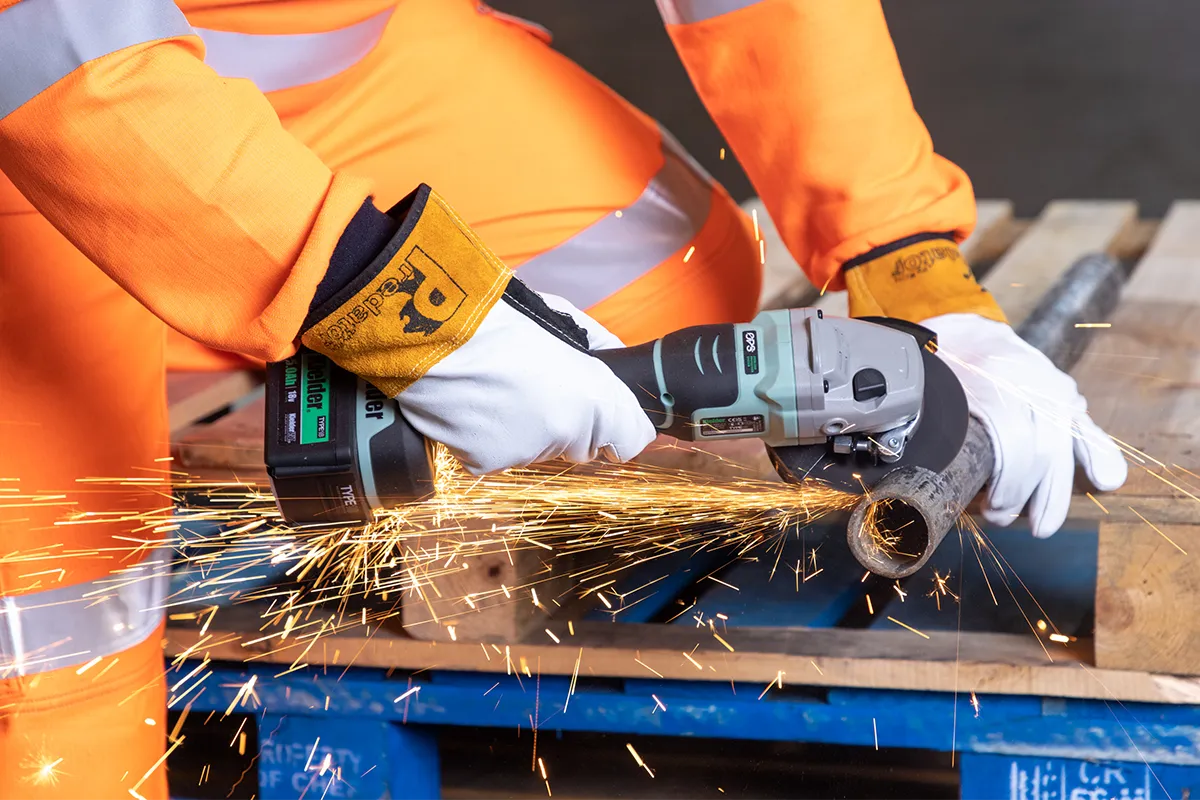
point(616, 517)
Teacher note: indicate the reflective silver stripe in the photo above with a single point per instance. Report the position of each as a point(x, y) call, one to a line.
point(282, 61)
point(71, 625)
point(613, 252)
point(43, 41)
point(681, 12)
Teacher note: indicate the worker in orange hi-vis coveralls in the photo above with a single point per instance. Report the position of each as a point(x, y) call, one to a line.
point(257, 173)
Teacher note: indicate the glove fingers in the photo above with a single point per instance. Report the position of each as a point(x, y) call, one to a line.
point(1101, 458)
point(1052, 498)
point(619, 428)
point(514, 395)
point(599, 337)
point(1011, 429)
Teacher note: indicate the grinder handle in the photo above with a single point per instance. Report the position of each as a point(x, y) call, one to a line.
point(672, 377)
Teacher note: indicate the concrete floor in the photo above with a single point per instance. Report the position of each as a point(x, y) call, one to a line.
point(1036, 100)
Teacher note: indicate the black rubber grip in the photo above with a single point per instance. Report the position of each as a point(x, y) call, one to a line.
point(635, 367)
point(700, 370)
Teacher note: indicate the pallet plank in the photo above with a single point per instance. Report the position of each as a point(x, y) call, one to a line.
point(993, 220)
point(1147, 590)
point(1140, 375)
point(1065, 231)
point(986, 663)
point(193, 396)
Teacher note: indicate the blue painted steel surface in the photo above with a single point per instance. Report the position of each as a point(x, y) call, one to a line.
point(1027, 778)
point(650, 589)
point(330, 756)
point(1008, 725)
point(1004, 586)
point(798, 594)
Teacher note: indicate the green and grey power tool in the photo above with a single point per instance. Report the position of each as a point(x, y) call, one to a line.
point(841, 400)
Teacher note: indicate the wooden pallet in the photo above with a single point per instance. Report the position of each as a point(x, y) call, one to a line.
point(1127, 558)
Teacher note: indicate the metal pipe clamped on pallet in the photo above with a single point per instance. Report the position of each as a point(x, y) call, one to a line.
point(917, 506)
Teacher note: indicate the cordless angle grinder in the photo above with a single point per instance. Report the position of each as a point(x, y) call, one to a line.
point(846, 401)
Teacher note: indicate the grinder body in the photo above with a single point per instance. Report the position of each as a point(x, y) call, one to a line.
point(337, 449)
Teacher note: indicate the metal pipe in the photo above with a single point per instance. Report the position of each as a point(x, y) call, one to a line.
point(1088, 292)
point(915, 507)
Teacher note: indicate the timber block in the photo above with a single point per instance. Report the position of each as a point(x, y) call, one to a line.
point(1147, 591)
point(497, 596)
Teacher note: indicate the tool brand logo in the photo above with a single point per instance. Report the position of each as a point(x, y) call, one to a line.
point(750, 352)
point(910, 266)
point(431, 298)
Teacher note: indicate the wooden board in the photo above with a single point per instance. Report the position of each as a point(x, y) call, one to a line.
point(1065, 231)
point(992, 234)
point(195, 395)
point(985, 663)
point(439, 612)
point(1141, 378)
point(1147, 592)
point(1142, 375)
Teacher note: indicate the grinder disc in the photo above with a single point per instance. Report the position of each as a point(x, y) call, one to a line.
point(934, 444)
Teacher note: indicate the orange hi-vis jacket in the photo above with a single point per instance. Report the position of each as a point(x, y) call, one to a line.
point(183, 186)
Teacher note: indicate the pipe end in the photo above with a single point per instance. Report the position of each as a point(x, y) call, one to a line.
point(889, 537)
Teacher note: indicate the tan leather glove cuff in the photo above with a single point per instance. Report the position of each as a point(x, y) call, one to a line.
point(417, 302)
point(914, 279)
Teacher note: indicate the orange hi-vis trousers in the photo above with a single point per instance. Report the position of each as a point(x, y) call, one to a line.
point(582, 193)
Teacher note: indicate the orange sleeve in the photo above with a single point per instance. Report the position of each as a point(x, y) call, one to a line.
point(181, 185)
point(810, 96)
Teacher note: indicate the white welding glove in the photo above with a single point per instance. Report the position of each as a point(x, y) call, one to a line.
point(516, 394)
point(476, 359)
point(1035, 417)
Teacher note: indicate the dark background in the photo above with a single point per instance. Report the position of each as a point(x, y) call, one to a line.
point(1037, 100)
